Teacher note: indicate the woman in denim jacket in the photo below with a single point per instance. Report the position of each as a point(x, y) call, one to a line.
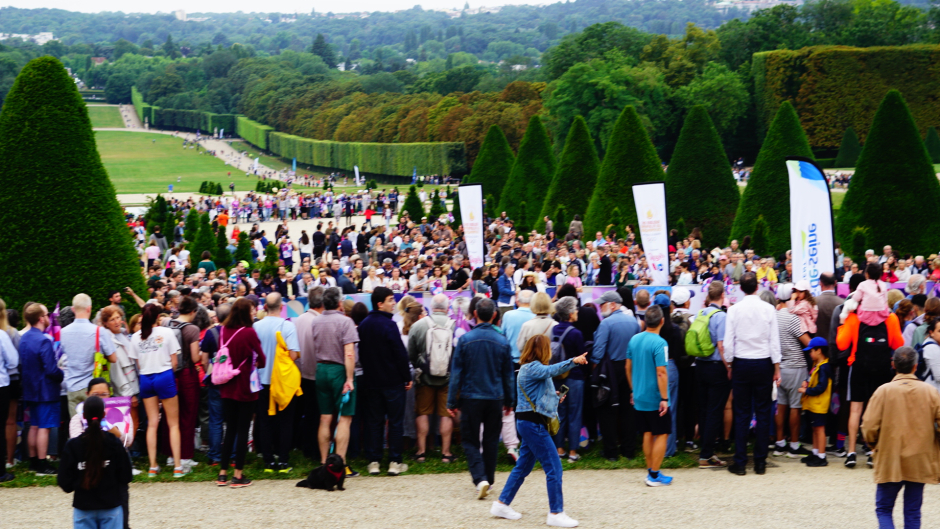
point(537, 405)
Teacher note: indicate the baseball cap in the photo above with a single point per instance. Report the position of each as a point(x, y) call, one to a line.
point(818, 341)
point(681, 295)
point(802, 285)
point(662, 300)
point(784, 291)
point(610, 297)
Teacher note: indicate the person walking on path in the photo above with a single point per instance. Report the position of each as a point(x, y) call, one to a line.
point(537, 407)
point(482, 388)
point(752, 347)
point(899, 425)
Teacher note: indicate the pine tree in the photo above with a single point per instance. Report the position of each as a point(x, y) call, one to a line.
point(530, 176)
point(760, 237)
point(436, 208)
point(205, 240)
point(455, 210)
point(223, 257)
point(157, 215)
point(768, 189)
point(63, 229)
point(894, 175)
point(574, 179)
point(932, 142)
point(202, 187)
point(412, 206)
point(700, 187)
point(324, 51)
point(243, 250)
point(191, 226)
point(493, 163)
point(271, 260)
point(849, 150)
point(630, 159)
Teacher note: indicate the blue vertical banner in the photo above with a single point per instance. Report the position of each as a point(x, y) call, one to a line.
point(414, 176)
point(293, 166)
point(811, 234)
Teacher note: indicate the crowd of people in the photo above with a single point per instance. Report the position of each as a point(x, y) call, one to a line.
point(523, 360)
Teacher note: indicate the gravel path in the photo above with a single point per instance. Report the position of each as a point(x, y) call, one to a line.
point(789, 496)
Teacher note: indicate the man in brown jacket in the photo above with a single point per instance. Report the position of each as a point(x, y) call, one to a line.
point(901, 425)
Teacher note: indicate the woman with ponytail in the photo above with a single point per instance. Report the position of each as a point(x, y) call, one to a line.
point(96, 468)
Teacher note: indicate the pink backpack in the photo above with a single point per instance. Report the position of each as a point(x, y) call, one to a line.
point(222, 370)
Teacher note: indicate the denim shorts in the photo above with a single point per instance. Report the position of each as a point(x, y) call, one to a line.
point(162, 385)
point(43, 414)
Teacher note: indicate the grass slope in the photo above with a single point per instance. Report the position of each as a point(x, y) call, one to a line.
point(105, 117)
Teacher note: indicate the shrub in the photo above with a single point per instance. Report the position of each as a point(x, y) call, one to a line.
point(767, 192)
point(223, 258)
point(630, 159)
point(191, 226)
point(848, 151)
point(60, 216)
point(412, 205)
point(894, 175)
point(157, 215)
point(574, 179)
point(859, 244)
point(699, 185)
point(436, 208)
point(760, 240)
point(243, 249)
point(489, 208)
point(205, 240)
point(455, 211)
point(932, 142)
point(493, 164)
point(530, 176)
point(561, 221)
point(271, 260)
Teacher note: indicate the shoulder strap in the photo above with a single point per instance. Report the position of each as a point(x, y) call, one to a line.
point(97, 339)
point(231, 337)
point(562, 337)
point(522, 390)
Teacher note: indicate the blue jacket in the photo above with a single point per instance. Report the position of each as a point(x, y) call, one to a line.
point(613, 336)
point(40, 373)
point(536, 379)
point(382, 352)
point(481, 367)
point(506, 288)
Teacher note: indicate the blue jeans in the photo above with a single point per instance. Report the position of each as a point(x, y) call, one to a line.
point(214, 402)
point(673, 372)
point(569, 413)
point(752, 385)
point(884, 503)
point(536, 445)
point(379, 405)
point(100, 519)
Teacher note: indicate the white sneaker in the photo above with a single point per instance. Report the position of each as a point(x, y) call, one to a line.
point(395, 469)
point(135, 472)
point(483, 488)
point(504, 511)
point(373, 468)
point(513, 453)
point(561, 520)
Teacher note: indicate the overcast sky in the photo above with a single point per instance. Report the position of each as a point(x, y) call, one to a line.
point(268, 6)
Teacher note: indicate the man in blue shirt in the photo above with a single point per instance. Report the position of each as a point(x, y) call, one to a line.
point(712, 376)
point(42, 380)
point(514, 319)
point(610, 343)
point(78, 346)
point(280, 425)
point(647, 376)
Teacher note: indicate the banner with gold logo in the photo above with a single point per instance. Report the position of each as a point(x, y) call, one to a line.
point(471, 215)
point(650, 200)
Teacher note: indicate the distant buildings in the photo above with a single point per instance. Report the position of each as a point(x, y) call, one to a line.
point(753, 5)
point(38, 38)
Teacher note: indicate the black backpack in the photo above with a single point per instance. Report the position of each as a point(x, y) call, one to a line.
point(873, 353)
point(922, 371)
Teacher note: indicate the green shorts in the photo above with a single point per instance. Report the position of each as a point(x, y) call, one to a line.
point(330, 381)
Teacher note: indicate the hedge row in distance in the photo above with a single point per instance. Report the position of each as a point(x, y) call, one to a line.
point(170, 118)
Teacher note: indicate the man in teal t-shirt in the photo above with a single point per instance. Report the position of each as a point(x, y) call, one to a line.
point(647, 356)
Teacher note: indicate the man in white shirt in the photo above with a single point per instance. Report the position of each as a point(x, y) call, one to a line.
point(752, 347)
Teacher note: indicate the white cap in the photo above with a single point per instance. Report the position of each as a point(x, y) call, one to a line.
point(680, 296)
point(802, 285)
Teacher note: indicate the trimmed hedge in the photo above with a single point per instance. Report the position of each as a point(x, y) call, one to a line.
point(932, 142)
point(171, 118)
point(493, 164)
point(699, 185)
point(848, 151)
point(530, 177)
point(768, 192)
point(894, 175)
point(254, 133)
point(77, 242)
point(574, 179)
point(836, 87)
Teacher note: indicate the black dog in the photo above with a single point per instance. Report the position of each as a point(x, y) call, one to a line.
point(330, 475)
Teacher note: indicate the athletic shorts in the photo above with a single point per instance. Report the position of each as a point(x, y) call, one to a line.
point(430, 400)
point(652, 422)
point(788, 391)
point(161, 385)
point(330, 381)
point(816, 419)
point(862, 383)
point(43, 414)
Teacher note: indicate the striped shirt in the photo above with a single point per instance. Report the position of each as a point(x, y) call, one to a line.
point(791, 349)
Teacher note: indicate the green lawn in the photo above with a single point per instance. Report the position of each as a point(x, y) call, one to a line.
point(140, 162)
point(105, 117)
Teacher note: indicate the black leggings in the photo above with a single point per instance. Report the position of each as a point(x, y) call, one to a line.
point(237, 418)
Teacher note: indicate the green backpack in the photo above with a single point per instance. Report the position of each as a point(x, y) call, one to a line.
point(698, 341)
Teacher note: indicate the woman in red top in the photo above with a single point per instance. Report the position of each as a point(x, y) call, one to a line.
point(238, 401)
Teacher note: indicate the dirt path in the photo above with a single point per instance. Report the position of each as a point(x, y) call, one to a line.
point(789, 496)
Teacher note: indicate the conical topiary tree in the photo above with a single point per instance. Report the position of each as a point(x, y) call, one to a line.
point(560, 221)
point(531, 175)
point(700, 188)
point(243, 249)
point(849, 150)
point(205, 240)
point(893, 175)
point(768, 189)
point(436, 208)
point(760, 237)
point(489, 208)
point(63, 231)
point(412, 206)
point(859, 244)
point(521, 225)
point(574, 179)
point(191, 225)
point(223, 258)
point(630, 159)
point(493, 164)
point(271, 260)
point(932, 142)
point(615, 222)
point(157, 215)
point(455, 210)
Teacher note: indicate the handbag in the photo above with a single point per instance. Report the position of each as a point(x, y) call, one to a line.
point(102, 370)
point(553, 424)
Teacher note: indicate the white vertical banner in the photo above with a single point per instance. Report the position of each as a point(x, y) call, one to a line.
point(650, 200)
point(811, 240)
point(356, 169)
point(471, 216)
